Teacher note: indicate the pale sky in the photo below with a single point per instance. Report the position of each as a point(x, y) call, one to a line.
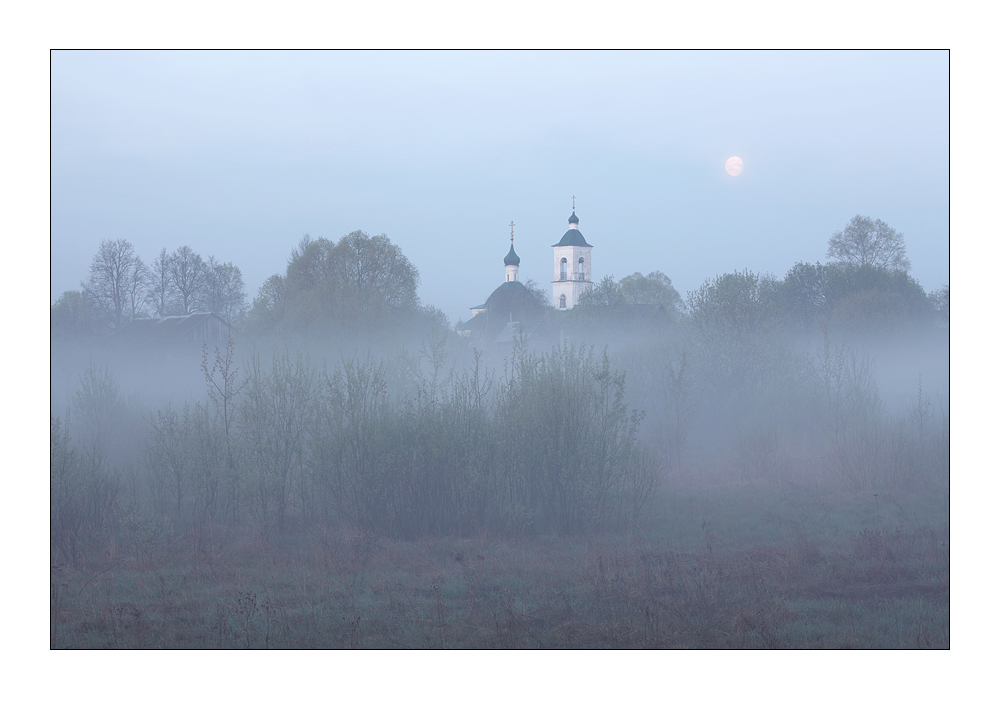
point(239, 154)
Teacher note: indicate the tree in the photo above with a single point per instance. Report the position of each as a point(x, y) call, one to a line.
point(188, 274)
point(537, 292)
point(73, 315)
point(309, 264)
point(636, 289)
point(941, 299)
point(654, 288)
point(374, 274)
point(116, 284)
point(359, 281)
point(801, 297)
point(160, 285)
point(864, 242)
point(605, 292)
point(736, 348)
point(223, 292)
point(268, 305)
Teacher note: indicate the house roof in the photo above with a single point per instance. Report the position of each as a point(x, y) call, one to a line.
point(174, 327)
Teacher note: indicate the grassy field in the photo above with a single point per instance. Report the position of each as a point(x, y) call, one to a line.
point(712, 567)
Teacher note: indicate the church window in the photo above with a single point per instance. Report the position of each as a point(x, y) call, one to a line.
point(562, 301)
point(562, 269)
point(579, 268)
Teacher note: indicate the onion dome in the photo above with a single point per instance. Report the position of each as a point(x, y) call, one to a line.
point(573, 238)
point(511, 257)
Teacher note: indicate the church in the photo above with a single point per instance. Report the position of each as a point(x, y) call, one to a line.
point(512, 309)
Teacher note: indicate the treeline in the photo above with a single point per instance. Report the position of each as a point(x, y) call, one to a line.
point(121, 287)
point(849, 299)
point(361, 287)
point(399, 446)
point(735, 384)
point(865, 288)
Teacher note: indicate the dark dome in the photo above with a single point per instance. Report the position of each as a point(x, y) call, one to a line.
point(573, 219)
point(513, 297)
point(511, 302)
point(511, 257)
point(572, 238)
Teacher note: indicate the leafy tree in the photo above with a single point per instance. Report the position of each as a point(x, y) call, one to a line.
point(864, 242)
point(848, 296)
point(375, 275)
point(734, 337)
point(268, 305)
point(801, 297)
point(870, 299)
point(360, 282)
point(636, 289)
point(941, 300)
point(72, 314)
point(309, 264)
point(224, 292)
point(651, 289)
point(605, 292)
point(116, 286)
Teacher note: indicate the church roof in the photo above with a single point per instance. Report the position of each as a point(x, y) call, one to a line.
point(572, 238)
point(510, 293)
point(511, 301)
point(511, 257)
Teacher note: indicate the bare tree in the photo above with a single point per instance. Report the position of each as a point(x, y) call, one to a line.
point(160, 282)
point(869, 243)
point(537, 292)
point(137, 288)
point(188, 273)
point(116, 284)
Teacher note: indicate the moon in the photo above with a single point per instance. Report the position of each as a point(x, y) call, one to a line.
point(734, 166)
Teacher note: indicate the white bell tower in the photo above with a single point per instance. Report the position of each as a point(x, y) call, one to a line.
point(571, 266)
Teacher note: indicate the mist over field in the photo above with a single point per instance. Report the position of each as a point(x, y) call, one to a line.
point(332, 452)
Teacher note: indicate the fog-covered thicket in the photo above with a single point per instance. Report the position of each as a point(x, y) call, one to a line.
point(333, 404)
point(403, 445)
